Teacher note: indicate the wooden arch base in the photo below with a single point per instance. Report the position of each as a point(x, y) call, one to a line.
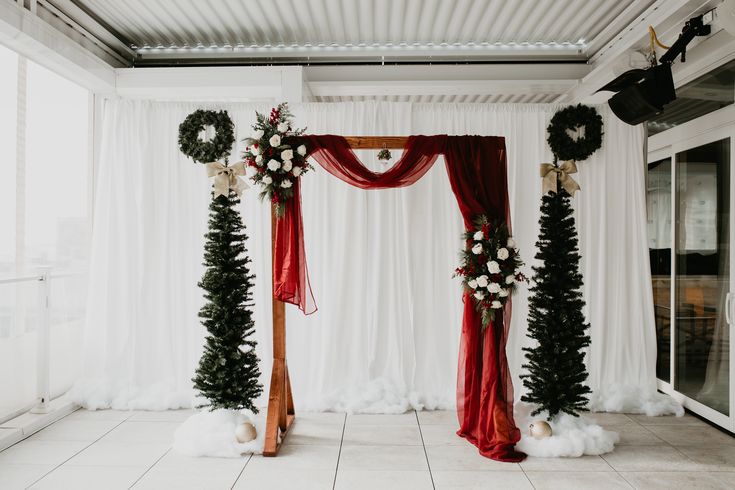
point(280, 400)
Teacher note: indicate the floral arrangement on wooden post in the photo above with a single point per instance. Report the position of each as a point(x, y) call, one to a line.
point(271, 161)
point(490, 267)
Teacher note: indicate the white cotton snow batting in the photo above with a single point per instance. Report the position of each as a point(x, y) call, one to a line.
point(632, 399)
point(571, 437)
point(213, 434)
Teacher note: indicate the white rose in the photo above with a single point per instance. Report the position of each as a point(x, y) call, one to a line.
point(251, 172)
point(511, 243)
point(478, 236)
point(503, 254)
point(503, 293)
point(510, 279)
point(286, 184)
point(479, 295)
point(477, 249)
point(273, 165)
point(493, 287)
point(301, 150)
point(275, 141)
point(259, 159)
point(496, 304)
point(286, 154)
point(282, 128)
point(296, 171)
point(482, 281)
point(257, 134)
point(472, 283)
point(267, 180)
point(287, 165)
point(493, 267)
point(256, 150)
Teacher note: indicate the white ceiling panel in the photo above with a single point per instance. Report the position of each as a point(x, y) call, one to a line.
point(415, 29)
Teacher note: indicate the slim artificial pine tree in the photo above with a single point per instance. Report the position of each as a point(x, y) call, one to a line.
point(555, 367)
point(228, 372)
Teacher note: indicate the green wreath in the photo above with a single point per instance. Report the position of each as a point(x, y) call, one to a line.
point(206, 151)
point(573, 117)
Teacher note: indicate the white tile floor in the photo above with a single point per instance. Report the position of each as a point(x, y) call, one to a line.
point(109, 449)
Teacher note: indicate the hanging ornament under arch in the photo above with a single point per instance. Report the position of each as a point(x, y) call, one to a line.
point(573, 119)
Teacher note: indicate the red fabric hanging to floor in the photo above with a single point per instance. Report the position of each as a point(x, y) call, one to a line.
point(477, 171)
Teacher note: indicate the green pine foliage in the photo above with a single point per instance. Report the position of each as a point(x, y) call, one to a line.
point(228, 371)
point(556, 372)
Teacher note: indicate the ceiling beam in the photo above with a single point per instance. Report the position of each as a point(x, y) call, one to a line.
point(32, 37)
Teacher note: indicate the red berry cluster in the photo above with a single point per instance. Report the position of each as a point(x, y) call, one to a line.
point(275, 115)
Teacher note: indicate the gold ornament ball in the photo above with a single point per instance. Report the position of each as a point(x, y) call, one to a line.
point(245, 432)
point(540, 429)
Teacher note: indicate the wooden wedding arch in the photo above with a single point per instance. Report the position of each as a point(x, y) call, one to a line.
point(281, 413)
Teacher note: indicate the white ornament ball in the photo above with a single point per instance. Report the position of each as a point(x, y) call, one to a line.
point(245, 432)
point(540, 429)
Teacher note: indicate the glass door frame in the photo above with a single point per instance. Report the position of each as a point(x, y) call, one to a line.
point(709, 128)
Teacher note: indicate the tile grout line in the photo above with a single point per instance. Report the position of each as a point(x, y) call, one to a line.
point(423, 445)
point(602, 457)
point(73, 455)
point(150, 467)
point(339, 454)
point(241, 471)
point(526, 475)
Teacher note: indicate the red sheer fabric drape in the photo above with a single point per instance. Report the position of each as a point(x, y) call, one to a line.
point(477, 171)
point(335, 155)
point(290, 273)
point(478, 174)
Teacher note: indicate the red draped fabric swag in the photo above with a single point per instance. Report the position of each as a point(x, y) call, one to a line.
point(477, 171)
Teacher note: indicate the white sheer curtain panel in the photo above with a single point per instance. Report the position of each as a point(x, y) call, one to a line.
point(385, 337)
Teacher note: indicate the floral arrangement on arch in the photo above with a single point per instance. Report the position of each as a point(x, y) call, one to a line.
point(490, 266)
point(271, 161)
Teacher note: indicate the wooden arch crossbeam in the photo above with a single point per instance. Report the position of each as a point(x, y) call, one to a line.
point(281, 412)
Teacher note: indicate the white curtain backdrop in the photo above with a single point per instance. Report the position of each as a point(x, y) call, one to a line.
point(385, 337)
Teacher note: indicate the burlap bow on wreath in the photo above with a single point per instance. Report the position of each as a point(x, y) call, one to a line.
point(227, 178)
point(549, 173)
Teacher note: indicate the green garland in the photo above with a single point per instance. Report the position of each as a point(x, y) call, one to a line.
point(206, 151)
point(573, 117)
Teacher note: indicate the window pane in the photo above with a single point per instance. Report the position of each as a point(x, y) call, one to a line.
point(658, 201)
point(706, 94)
point(8, 115)
point(703, 274)
point(56, 171)
point(57, 214)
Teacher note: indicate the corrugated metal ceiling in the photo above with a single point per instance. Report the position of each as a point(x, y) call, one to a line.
point(286, 23)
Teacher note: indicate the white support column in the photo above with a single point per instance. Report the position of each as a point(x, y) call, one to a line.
point(43, 339)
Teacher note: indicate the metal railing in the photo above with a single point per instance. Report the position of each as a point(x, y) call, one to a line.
point(43, 344)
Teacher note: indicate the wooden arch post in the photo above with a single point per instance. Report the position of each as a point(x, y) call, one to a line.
point(281, 412)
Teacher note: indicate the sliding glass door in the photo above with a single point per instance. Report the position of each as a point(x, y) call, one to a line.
point(689, 235)
point(702, 274)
